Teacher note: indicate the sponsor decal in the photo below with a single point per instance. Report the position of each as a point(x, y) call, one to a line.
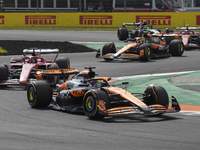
point(197, 20)
point(40, 20)
point(47, 71)
point(95, 20)
point(155, 19)
point(2, 20)
point(77, 93)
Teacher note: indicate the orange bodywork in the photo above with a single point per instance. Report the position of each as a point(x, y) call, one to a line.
point(58, 72)
point(130, 56)
point(128, 109)
point(125, 48)
point(126, 95)
point(77, 93)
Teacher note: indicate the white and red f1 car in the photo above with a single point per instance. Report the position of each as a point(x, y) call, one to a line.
point(21, 70)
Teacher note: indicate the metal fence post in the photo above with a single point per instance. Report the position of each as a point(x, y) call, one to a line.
point(124, 5)
point(2, 6)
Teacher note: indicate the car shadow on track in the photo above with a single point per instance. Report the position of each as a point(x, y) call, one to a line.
point(13, 88)
point(134, 118)
point(138, 119)
point(126, 61)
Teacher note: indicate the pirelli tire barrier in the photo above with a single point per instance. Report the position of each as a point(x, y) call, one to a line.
point(13, 47)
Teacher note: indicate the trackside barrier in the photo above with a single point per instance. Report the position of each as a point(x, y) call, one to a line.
point(166, 19)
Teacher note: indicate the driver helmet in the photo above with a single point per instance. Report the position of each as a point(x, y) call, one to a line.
point(96, 83)
point(144, 23)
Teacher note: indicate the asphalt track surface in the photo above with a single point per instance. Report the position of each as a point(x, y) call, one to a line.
point(24, 128)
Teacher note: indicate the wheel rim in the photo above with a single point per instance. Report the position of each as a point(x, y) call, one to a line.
point(90, 104)
point(31, 94)
point(148, 53)
point(181, 48)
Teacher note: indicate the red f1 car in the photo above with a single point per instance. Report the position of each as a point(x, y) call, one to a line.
point(22, 70)
point(190, 38)
point(95, 97)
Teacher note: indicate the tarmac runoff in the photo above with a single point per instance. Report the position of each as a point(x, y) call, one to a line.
point(185, 86)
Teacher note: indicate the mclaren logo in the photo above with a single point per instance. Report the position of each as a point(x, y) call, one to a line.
point(95, 20)
point(155, 19)
point(40, 20)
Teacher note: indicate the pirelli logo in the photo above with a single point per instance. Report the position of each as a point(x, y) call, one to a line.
point(155, 19)
point(40, 20)
point(95, 20)
point(2, 20)
point(197, 20)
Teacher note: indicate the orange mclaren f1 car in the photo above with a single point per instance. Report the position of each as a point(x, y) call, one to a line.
point(142, 48)
point(83, 92)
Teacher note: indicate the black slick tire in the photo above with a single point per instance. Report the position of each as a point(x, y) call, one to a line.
point(3, 72)
point(90, 103)
point(145, 52)
point(39, 94)
point(63, 62)
point(176, 48)
point(122, 34)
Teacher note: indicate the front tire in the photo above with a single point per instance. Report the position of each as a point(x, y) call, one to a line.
point(90, 103)
point(108, 48)
point(158, 96)
point(176, 48)
point(39, 94)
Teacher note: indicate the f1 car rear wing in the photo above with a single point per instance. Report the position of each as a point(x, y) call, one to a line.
point(188, 28)
point(58, 72)
point(36, 51)
point(31, 50)
point(131, 24)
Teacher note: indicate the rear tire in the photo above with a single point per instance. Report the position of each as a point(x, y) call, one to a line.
point(168, 40)
point(198, 40)
point(90, 103)
point(63, 62)
point(4, 72)
point(39, 94)
point(176, 48)
point(51, 67)
point(169, 30)
point(145, 53)
point(122, 34)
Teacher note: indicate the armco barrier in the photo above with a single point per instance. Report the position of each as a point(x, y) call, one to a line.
point(167, 19)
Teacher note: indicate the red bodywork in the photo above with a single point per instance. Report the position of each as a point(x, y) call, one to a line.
point(189, 36)
point(27, 67)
